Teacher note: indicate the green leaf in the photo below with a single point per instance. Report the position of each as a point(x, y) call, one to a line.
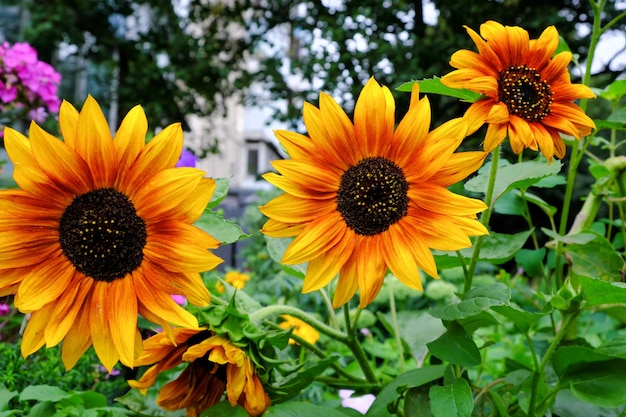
point(599, 383)
point(567, 405)
point(430, 329)
point(597, 259)
point(531, 260)
point(42, 409)
point(434, 86)
point(520, 318)
point(413, 378)
point(302, 409)
point(5, 397)
point(476, 300)
point(221, 191)
point(600, 292)
point(417, 403)
point(43, 393)
point(456, 347)
point(615, 348)
point(224, 409)
point(454, 400)
point(614, 91)
point(521, 175)
point(567, 357)
point(276, 248)
point(225, 231)
point(497, 248)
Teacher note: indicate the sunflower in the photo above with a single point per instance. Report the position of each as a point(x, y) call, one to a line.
point(100, 231)
point(215, 366)
point(528, 92)
point(366, 197)
point(300, 328)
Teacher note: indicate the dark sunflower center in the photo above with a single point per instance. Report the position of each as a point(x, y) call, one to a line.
point(372, 195)
point(524, 92)
point(102, 235)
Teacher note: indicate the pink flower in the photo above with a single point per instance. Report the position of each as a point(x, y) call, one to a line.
point(4, 309)
point(180, 299)
point(361, 403)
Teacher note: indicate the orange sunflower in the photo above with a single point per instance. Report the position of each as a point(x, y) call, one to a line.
point(366, 197)
point(215, 366)
point(100, 231)
point(528, 92)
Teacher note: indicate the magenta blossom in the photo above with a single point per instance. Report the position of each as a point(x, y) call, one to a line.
point(28, 86)
point(187, 159)
point(4, 309)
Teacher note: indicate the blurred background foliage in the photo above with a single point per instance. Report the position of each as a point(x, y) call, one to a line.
point(186, 57)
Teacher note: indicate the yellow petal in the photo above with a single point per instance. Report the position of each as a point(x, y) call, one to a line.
point(121, 314)
point(68, 117)
point(95, 145)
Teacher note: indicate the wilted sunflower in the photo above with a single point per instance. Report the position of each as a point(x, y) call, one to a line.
point(528, 91)
point(215, 366)
point(101, 231)
point(366, 197)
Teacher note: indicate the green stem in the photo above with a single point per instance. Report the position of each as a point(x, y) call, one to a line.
point(346, 318)
point(575, 158)
point(277, 310)
point(349, 340)
point(319, 352)
point(536, 375)
point(396, 329)
point(469, 277)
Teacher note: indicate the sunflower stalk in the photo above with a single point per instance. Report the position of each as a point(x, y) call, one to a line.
point(575, 158)
point(469, 276)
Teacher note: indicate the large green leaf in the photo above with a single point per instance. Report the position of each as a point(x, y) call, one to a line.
point(221, 191)
point(5, 397)
point(597, 259)
point(413, 378)
point(456, 347)
point(476, 300)
point(454, 400)
point(599, 383)
point(600, 292)
point(520, 175)
point(520, 318)
point(567, 405)
point(302, 409)
point(497, 248)
point(434, 86)
point(43, 393)
point(567, 357)
point(224, 409)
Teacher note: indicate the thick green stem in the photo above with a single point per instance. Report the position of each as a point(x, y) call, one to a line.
point(469, 277)
point(349, 340)
point(277, 310)
point(575, 158)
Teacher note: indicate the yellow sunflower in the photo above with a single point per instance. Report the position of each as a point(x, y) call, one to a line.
point(366, 197)
point(100, 231)
point(528, 92)
point(215, 366)
point(300, 329)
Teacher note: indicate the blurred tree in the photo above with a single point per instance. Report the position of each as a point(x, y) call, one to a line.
point(179, 58)
point(337, 45)
point(173, 60)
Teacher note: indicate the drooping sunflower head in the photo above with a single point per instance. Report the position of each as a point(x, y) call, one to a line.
point(214, 366)
point(365, 197)
point(99, 231)
point(527, 89)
